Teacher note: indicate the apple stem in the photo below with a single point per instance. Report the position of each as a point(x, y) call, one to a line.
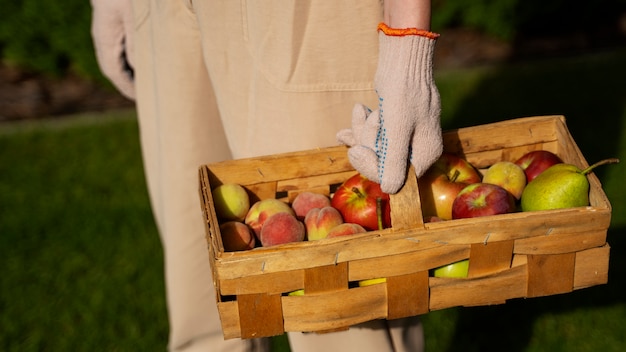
point(379, 212)
point(357, 191)
point(455, 175)
point(601, 162)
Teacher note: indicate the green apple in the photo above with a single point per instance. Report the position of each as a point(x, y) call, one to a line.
point(369, 282)
point(455, 270)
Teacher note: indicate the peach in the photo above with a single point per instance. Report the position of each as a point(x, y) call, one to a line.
point(319, 221)
point(236, 236)
point(433, 219)
point(281, 228)
point(262, 210)
point(345, 229)
point(306, 201)
point(231, 201)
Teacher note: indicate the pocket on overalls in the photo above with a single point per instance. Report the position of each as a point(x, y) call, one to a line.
point(313, 45)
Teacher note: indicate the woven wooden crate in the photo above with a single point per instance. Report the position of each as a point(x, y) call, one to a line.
point(525, 254)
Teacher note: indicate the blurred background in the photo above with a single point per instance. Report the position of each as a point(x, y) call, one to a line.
point(80, 257)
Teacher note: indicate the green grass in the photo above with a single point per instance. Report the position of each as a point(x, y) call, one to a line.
point(81, 261)
point(82, 264)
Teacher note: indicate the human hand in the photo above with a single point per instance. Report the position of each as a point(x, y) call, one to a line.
point(112, 33)
point(405, 127)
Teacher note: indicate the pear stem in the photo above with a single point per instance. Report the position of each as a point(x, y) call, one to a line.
point(601, 162)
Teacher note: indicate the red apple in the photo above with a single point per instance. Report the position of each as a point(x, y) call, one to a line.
point(536, 162)
point(482, 199)
point(442, 182)
point(356, 200)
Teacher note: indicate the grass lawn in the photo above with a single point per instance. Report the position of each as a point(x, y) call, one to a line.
point(82, 264)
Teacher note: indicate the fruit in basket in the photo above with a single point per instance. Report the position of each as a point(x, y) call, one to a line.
point(370, 282)
point(262, 210)
point(357, 198)
point(482, 199)
point(319, 221)
point(433, 219)
point(442, 182)
point(281, 228)
point(560, 186)
point(507, 175)
point(306, 201)
point(231, 201)
point(345, 229)
point(236, 236)
point(455, 270)
point(536, 161)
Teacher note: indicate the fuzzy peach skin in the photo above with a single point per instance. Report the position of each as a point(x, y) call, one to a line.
point(306, 201)
point(345, 229)
point(236, 236)
point(319, 222)
point(281, 228)
point(262, 210)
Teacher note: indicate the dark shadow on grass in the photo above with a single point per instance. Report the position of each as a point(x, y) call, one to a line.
point(591, 93)
point(508, 327)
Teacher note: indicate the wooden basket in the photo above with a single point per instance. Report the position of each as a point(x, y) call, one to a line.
point(525, 254)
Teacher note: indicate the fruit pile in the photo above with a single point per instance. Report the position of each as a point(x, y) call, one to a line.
point(358, 205)
point(454, 189)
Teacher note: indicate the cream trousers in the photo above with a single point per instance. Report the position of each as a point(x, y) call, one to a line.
point(217, 80)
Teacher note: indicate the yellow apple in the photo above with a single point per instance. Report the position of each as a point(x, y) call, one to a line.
point(231, 201)
point(507, 175)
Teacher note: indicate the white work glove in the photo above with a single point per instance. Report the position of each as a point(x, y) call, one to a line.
point(405, 127)
point(112, 33)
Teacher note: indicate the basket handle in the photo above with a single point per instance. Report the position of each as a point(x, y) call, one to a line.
point(406, 206)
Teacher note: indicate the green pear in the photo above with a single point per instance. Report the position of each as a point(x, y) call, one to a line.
point(558, 187)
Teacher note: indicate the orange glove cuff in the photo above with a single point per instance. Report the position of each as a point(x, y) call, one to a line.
point(400, 32)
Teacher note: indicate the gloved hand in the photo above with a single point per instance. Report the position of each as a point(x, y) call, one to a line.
point(405, 127)
point(112, 33)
